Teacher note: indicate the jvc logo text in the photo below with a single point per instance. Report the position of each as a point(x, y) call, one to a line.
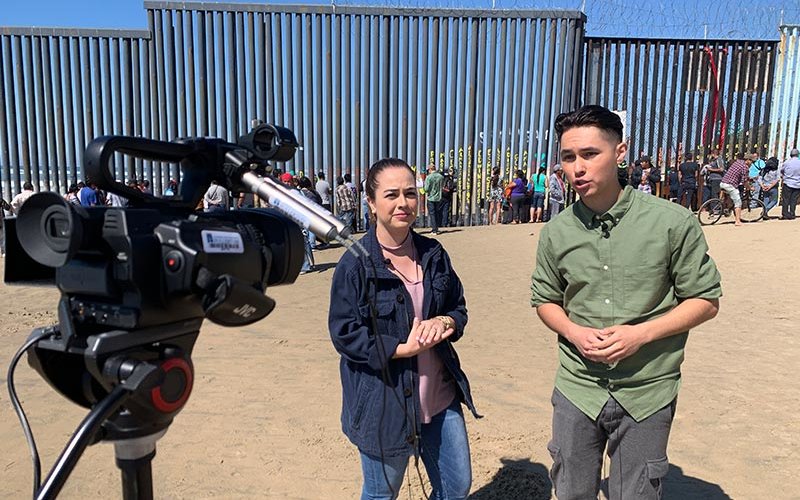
point(245, 310)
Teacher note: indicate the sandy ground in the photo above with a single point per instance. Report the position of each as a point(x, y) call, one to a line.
point(263, 420)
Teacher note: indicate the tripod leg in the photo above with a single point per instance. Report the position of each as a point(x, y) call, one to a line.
point(133, 457)
point(137, 477)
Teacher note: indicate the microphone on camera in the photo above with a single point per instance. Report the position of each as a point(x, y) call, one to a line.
point(297, 207)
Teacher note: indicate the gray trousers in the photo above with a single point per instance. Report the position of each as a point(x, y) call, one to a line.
point(638, 451)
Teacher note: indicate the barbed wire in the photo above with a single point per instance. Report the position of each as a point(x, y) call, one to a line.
point(686, 19)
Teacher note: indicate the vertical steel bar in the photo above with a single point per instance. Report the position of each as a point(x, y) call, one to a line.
point(225, 61)
point(261, 53)
point(60, 72)
point(202, 76)
point(558, 98)
point(346, 100)
point(127, 96)
point(47, 117)
point(5, 151)
point(635, 123)
point(673, 61)
point(243, 80)
point(24, 111)
point(745, 99)
point(759, 90)
point(411, 152)
point(83, 100)
point(190, 61)
point(177, 58)
point(336, 99)
point(645, 101)
point(137, 110)
point(115, 77)
point(769, 92)
point(252, 75)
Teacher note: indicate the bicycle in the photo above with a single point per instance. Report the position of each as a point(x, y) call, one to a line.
point(714, 209)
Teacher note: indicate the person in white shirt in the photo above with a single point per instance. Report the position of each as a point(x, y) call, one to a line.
point(21, 198)
point(323, 189)
point(216, 198)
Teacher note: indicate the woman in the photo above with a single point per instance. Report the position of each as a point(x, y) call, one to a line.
point(495, 196)
point(306, 189)
point(405, 339)
point(539, 187)
point(768, 182)
point(518, 196)
point(557, 190)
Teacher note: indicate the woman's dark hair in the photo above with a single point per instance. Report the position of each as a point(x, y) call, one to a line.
point(495, 181)
point(304, 183)
point(771, 164)
point(378, 167)
point(520, 174)
point(542, 170)
point(590, 116)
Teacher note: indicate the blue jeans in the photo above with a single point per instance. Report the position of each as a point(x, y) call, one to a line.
point(445, 208)
point(347, 217)
point(770, 199)
point(445, 453)
point(308, 258)
point(365, 212)
point(435, 215)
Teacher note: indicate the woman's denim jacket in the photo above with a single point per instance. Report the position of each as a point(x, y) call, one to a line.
point(384, 418)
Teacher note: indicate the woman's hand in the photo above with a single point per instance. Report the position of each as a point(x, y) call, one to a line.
point(423, 336)
point(432, 331)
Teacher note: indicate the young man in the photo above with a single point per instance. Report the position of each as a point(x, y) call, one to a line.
point(324, 191)
point(433, 190)
point(621, 326)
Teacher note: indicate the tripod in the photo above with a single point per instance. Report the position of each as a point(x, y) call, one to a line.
point(145, 378)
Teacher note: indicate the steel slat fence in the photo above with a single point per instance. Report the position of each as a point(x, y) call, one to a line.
point(464, 89)
point(682, 96)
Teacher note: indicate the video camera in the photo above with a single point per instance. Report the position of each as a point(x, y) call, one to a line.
point(136, 284)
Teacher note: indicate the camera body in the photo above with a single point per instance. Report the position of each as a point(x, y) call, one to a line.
point(136, 283)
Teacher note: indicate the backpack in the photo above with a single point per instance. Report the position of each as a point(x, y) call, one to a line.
point(449, 185)
point(507, 191)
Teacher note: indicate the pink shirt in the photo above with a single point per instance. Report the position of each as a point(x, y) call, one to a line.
point(436, 387)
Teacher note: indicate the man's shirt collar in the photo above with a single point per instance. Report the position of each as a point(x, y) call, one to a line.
point(609, 219)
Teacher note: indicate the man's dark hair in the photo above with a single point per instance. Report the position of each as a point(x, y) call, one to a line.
point(590, 116)
point(27, 186)
point(689, 157)
point(321, 175)
point(348, 178)
point(339, 180)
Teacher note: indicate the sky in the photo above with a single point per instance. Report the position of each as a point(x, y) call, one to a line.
point(727, 19)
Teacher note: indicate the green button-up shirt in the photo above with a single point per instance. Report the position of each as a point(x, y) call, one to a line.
point(433, 186)
point(626, 266)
